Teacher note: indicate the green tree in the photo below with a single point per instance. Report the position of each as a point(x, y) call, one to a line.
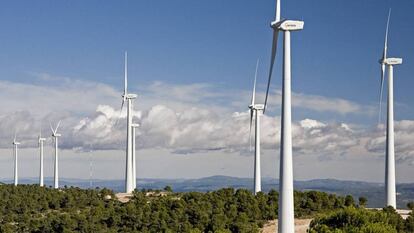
point(409, 222)
point(168, 189)
point(410, 205)
point(377, 228)
point(360, 220)
point(30, 208)
point(362, 201)
point(349, 201)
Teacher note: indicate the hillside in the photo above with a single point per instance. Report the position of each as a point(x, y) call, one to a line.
point(373, 191)
point(30, 208)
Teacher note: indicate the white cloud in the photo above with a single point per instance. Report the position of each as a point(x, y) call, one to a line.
point(74, 97)
point(404, 136)
point(310, 124)
point(187, 93)
point(181, 118)
point(316, 103)
point(194, 130)
point(324, 104)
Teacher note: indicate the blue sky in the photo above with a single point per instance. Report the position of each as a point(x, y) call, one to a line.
point(207, 50)
point(208, 41)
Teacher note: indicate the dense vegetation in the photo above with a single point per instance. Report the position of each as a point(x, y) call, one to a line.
point(360, 220)
point(29, 208)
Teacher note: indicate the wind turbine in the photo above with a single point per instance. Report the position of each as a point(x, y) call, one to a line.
point(134, 163)
point(256, 111)
point(15, 144)
point(390, 188)
point(129, 176)
point(41, 140)
point(90, 167)
point(56, 135)
point(286, 207)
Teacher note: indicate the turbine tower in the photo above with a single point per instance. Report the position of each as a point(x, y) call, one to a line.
point(256, 111)
point(390, 188)
point(134, 163)
point(286, 207)
point(41, 140)
point(129, 184)
point(56, 136)
point(15, 144)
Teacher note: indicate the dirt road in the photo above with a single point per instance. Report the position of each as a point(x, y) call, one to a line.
point(301, 225)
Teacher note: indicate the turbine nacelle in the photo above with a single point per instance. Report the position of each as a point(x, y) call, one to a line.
point(129, 96)
point(134, 125)
point(259, 106)
point(256, 106)
point(274, 23)
point(54, 131)
point(16, 143)
point(40, 139)
point(393, 61)
point(288, 25)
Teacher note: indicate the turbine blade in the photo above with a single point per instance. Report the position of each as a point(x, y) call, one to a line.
point(272, 61)
point(250, 131)
point(57, 127)
point(120, 113)
point(384, 57)
point(277, 15)
point(51, 128)
point(126, 73)
point(384, 54)
point(122, 106)
point(381, 90)
point(254, 84)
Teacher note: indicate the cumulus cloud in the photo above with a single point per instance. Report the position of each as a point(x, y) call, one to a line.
point(404, 135)
point(317, 138)
point(28, 108)
point(185, 119)
point(41, 99)
point(187, 131)
point(194, 130)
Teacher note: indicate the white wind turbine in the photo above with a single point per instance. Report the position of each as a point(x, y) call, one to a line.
point(129, 175)
point(15, 144)
point(41, 140)
point(390, 188)
point(286, 207)
point(256, 111)
point(134, 162)
point(56, 135)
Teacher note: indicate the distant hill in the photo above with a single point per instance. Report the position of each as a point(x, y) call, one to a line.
point(373, 191)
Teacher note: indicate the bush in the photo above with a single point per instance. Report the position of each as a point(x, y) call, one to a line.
point(409, 222)
point(362, 201)
point(377, 228)
point(349, 201)
point(358, 220)
point(410, 205)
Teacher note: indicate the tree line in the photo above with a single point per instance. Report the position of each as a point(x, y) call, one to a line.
point(30, 208)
